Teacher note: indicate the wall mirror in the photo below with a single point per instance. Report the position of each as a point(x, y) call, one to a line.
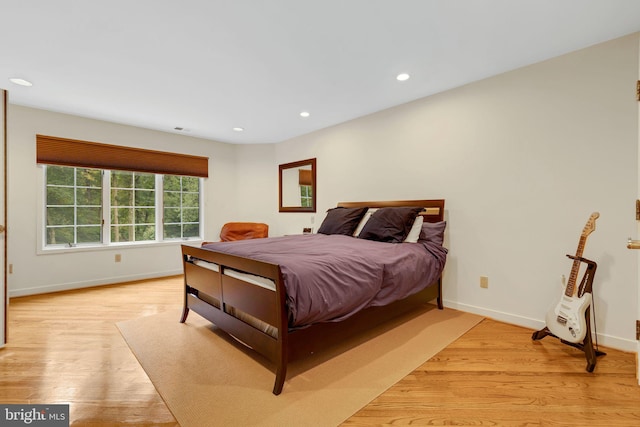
point(297, 192)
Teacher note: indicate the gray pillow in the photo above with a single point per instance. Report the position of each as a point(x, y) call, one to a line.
point(433, 232)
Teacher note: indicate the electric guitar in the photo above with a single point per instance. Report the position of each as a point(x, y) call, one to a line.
point(567, 319)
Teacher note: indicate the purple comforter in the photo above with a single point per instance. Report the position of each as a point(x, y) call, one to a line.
point(331, 277)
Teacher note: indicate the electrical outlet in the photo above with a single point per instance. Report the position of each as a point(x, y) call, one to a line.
point(484, 282)
point(118, 257)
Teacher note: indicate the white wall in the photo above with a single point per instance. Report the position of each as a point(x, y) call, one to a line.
point(37, 273)
point(257, 178)
point(522, 160)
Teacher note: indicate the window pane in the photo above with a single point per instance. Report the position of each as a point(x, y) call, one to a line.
point(122, 233)
point(191, 200)
point(190, 183)
point(172, 199)
point(145, 216)
point(60, 216)
point(172, 231)
point(89, 234)
point(120, 179)
point(89, 216)
point(191, 230)
point(60, 195)
point(60, 175)
point(121, 197)
point(145, 180)
point(145, 232)
point(89, 177)
point(89, 196)
point(190, 215)
point(122, 216)
point(172, 183)
point(60, 236)
point(171, 215)
point(145, 197)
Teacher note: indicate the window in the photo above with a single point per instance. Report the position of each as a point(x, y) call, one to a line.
point(305, 196)
point(181, 207)
point(74, 206)
point(101, 194)
point(132, 206)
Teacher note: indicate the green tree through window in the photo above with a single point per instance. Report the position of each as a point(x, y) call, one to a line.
point(181, 207)
point(133, 206)
point(305, 196)
point(74, 205)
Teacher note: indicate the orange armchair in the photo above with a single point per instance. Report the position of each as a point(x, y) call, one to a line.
point(243, 230)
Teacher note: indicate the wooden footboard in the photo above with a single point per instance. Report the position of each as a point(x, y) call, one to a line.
point(215, 296)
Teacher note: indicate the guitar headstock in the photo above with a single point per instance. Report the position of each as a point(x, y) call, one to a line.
point(591, 224)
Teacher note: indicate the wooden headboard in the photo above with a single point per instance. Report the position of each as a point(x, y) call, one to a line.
point(433, 209)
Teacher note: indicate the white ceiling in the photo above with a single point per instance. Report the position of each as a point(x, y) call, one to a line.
point(211, 65)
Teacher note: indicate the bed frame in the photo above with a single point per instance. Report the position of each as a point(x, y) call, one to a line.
point(215, 295)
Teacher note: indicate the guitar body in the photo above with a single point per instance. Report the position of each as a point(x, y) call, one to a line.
point(567, 319)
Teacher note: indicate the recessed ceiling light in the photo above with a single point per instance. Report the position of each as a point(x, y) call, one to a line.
point(305, 114)
point(21, 82)
point(402, 77)
point(238, 129)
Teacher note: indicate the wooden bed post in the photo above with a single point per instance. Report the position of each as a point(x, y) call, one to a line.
point(282, 355)
point(185, 308)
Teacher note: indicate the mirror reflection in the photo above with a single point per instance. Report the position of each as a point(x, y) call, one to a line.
point(298, 186)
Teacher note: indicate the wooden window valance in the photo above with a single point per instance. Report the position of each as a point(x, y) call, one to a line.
point(52, 150)
point(304, 177)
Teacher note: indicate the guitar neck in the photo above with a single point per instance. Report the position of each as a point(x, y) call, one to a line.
point(570, 289)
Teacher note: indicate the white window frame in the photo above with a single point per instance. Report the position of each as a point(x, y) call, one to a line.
point(106, 243)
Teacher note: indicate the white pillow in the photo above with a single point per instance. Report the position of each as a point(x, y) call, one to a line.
point(414, 233)
point(364, 220)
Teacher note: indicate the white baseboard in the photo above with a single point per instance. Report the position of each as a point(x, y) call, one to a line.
point(89, 283)
point(536, 324)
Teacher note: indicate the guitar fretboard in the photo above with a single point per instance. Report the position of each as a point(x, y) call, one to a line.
point(570, 289)
point(575, 268)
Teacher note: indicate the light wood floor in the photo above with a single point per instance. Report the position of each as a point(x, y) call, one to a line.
point(65, 348)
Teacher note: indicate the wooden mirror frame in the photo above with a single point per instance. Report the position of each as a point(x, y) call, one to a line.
point(314, 189)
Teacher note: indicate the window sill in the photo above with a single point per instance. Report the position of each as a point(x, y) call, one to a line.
point(113, 246)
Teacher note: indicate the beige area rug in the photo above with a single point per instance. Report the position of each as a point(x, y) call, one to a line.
point(207, 378)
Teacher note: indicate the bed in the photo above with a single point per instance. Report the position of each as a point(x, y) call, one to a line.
point(286, 297)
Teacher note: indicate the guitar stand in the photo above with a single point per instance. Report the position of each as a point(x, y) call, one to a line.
point(586, 285)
